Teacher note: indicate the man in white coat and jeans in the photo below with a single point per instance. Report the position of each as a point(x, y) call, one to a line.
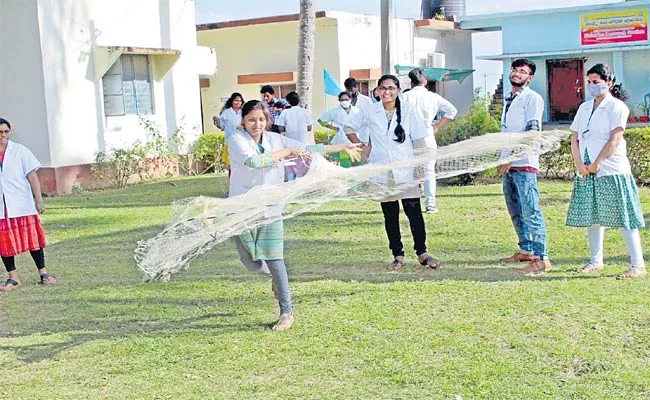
point(428, 104)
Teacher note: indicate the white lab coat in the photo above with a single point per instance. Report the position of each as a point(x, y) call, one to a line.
point(594, 131)
point(427, 104)
point(295, 121)
point(381, 134)
point(230, 120)
point(527, 106)
point(339, 118)
point(14, 186)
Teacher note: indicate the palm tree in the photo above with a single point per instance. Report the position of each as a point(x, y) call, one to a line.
point(306, 44)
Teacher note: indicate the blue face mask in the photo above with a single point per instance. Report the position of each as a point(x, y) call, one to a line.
point(597, 89)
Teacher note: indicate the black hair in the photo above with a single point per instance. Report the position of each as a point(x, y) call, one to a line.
point(417, 77)
point(521, 62)
point(279, 104)
point(350, 83)
point(606, 73)
point(231, 99)
point(343, 93)
point(293, 98)
point(252, 105)
point(400, 135)
point(374, 95)
point(5, 122)
point(267, 89)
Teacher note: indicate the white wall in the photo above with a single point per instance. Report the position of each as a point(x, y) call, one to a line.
point(22, 97)
point(68, 31)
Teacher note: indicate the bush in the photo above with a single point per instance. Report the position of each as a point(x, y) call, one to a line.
point(320, 136)
point(477, 122)
point(208, 149)
point(117, 165)
point(559, 164)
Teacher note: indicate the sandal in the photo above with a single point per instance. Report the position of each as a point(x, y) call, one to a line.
point(285, 322)
point(428, 261)
point(634, 272)
point(14, 284)
point(397, 264)
point(589, 267)
point(47, 279)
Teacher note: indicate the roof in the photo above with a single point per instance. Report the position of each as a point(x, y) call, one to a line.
point(496, 19)
point(254, 21)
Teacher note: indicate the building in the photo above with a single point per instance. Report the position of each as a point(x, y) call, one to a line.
point(77, 73)
point(263, 51)
point(566, 42)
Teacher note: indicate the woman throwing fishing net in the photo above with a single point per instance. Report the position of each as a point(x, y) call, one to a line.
point(394, 131)
point(256, 156)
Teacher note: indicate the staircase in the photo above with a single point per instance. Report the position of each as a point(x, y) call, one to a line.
point(497, 99)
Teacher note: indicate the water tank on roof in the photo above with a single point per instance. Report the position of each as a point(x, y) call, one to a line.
point(452, 9)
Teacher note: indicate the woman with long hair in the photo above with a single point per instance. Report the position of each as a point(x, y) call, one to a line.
point(393, 130)
point(256, 156)
point(604, 191)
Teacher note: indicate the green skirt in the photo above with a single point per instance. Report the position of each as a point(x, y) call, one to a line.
point(265, 242)
point(611, 201)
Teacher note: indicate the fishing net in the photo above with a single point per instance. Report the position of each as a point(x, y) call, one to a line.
point(202, 222)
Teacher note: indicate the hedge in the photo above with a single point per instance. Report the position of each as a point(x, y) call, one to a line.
point(559, 164)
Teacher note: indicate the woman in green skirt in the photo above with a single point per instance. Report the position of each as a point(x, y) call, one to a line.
point(604, 191)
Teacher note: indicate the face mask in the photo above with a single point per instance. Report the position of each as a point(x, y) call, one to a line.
point(345, 103)
point(597, 89)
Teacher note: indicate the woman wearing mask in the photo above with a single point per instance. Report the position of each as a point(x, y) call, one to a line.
point(336, 119)
point(256, 156)
point(604, 191)
point(393, 131)
point(20, 227)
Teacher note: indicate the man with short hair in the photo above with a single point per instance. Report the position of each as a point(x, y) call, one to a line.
point(428, 104)
point(360, 101)
point(522, 112)
point(267, 93)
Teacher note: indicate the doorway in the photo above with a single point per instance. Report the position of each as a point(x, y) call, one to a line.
point(565, 88)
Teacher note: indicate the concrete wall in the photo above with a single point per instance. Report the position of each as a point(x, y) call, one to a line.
point(22, 99)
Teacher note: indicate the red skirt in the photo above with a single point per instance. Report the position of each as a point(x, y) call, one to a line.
point(21, 234)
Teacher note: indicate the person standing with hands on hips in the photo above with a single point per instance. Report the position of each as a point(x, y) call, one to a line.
point(522, 112)
point(604, 191)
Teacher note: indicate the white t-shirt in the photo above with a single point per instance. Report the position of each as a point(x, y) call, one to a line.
point(427, 104)
point(14, 186)
point(339, 118)
point(295, 121)
point(594, 130)
point(527, 106)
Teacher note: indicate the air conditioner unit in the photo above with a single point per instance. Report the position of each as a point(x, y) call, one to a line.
point(436, 60)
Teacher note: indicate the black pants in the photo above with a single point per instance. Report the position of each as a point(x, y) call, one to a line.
point(413, 212)
point(37, 255)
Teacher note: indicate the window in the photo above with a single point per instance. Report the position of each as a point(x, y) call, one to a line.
point(364, 87)
point(281, 91)
point(127, 87)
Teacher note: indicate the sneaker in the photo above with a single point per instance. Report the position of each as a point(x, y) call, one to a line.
point(431, 210)
point(519, 256)
point(537, 265)
point(284, 323)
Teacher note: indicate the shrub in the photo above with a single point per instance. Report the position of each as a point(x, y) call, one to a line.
point(477, 121)
point(320, 136)
point(208, 149)
point(117, 165)
point(559, 164)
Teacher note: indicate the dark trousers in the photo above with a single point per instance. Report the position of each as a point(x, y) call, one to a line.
point(413, 212)
point(37, 255)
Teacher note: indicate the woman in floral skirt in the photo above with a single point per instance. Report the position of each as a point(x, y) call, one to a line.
point(604, 191)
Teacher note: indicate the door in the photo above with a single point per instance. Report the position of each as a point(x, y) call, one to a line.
point(565, 88)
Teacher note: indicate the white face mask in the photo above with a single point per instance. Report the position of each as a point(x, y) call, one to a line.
point(345, 103)
point(597, 89)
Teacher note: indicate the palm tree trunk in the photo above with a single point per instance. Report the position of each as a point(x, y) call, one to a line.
point(306, 50)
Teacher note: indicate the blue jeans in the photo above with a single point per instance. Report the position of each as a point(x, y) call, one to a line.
point(522, 199)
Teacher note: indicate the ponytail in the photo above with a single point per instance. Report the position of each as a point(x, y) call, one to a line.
point(400, 136)
point(619, 93)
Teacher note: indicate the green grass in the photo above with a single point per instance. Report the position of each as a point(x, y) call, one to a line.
point(474, 329)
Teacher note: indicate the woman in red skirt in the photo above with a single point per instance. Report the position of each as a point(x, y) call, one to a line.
point(20, 227)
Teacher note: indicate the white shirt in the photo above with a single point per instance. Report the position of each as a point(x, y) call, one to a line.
point(427, 104)
point(527, 106)
point(594, 131)
point(14, 186)
point(230, 119)
point(381, 134)
point(295, 120)
point(362, 101)
point(339, 118)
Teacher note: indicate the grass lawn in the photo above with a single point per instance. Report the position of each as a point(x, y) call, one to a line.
point(473, 330)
